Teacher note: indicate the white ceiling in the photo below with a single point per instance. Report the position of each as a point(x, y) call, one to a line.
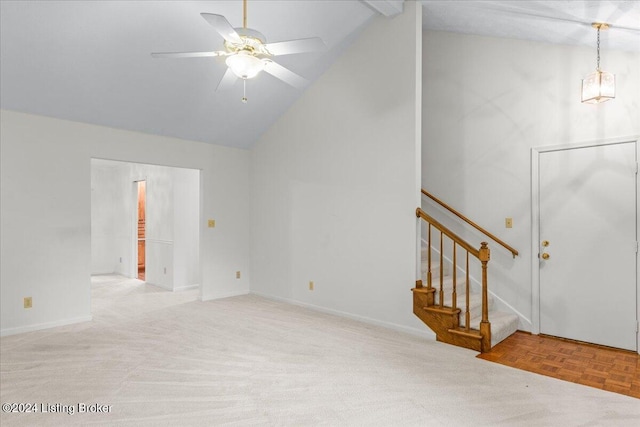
point(549, 21)
point(89, 61)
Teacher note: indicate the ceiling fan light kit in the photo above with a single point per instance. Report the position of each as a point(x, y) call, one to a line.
point(247, 53)
point(244, 65)
point(599, 86)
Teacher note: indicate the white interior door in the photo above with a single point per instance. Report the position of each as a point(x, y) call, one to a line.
point(587, 213)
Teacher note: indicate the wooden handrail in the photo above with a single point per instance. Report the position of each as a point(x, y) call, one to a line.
point(513, 251)
point(450, 234)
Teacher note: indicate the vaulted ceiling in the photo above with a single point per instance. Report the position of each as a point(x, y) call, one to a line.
point(89, 61)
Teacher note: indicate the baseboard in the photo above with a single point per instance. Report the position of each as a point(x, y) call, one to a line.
point(158, 285)
point(46, 325)
point(222, 295)
point(524, 322)
point(424, 333)
point(186, 288)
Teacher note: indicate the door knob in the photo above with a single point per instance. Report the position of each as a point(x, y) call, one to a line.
point(545, 256)
point(545, 243)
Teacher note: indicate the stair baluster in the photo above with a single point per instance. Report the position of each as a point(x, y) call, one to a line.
point(454, 294)
point(441, 293)
point(429, 257)
point(467, 314)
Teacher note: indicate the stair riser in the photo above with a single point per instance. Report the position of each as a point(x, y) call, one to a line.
point(475, 304)
point(447, 285)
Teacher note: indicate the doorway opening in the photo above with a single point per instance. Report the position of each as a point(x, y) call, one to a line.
point(142, 191)
point(145, 225)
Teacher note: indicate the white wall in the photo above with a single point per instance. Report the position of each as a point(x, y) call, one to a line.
point(159, 221)
point(186, 208)
point(486, 103)
point(335, 183)
point(110, 222)
point(45, 208)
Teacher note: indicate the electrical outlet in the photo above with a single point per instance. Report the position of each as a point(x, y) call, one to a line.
point(237, 274)
point(28, 302)
point(165, 270)
point(508, 222)
point(211, 223)
point(120, 260)
point(311, 285)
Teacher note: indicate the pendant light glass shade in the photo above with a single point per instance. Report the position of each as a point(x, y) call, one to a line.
point(244, 65)
point(599, 86)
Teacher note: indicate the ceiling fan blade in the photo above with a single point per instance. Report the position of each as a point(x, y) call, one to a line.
point(187, 54)
point(227, 80)
point(223, 27)
point(289, 47)
point(285, 74)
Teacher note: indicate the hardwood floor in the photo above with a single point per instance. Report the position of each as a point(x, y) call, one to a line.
point(588, 364)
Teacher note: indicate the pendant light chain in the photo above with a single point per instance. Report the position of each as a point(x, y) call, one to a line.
point(598, 49)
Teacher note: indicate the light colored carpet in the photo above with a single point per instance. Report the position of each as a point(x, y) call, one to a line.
point(165, 359)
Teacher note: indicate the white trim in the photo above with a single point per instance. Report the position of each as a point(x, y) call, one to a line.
point(46, 325)
point(535, 221)
point(134, 229)
point(221, 295)
point(425, 333)
point(160, 241)
point(185, 288)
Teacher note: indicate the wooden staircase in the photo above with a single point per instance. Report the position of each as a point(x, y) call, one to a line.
point(448, 303)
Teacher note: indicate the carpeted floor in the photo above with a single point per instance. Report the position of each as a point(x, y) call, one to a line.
point(157, 358)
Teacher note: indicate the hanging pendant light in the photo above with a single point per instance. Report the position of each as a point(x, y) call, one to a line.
point(599, 86)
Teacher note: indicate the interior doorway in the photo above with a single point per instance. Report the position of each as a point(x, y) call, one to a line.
point(145, 223)
point(142, 191)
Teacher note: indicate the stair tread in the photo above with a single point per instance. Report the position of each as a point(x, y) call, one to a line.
point(471, 333)
point(447, 281)
point(475, 303)
point(443, 310)
point(502, 325)
point(423, 289)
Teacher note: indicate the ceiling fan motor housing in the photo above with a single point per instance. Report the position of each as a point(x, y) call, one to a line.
point(253, 41)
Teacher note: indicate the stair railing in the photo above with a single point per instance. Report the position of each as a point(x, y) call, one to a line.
point(513, 251)
point(482, 254)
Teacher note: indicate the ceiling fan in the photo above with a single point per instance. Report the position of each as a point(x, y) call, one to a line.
point(247, 53)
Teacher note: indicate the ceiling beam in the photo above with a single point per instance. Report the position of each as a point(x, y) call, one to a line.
point(388, 8)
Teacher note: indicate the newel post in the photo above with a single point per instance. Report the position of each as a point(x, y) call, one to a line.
point(418, 249)
point(485, 326)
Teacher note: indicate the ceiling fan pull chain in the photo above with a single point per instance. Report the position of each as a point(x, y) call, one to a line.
point(244, 88)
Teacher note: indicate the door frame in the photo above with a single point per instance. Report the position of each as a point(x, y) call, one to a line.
point(134, 227)
point(535, 222)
